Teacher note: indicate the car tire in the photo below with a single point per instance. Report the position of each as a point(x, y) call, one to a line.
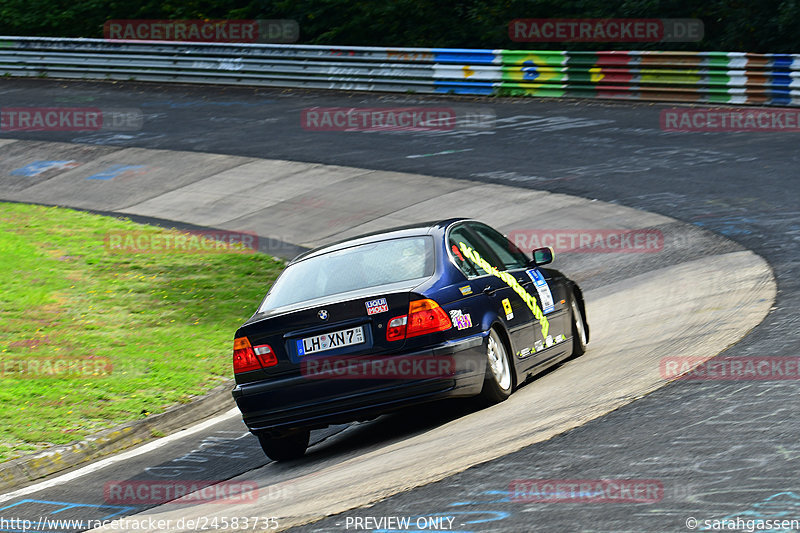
point(498, 384)
point(579, 337)
point(286, 448)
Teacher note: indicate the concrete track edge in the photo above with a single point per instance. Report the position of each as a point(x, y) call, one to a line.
point(701, 296)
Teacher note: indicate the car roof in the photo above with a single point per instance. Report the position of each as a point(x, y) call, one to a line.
point(411, 230)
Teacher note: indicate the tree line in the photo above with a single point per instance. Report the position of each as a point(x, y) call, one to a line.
point(765, 26)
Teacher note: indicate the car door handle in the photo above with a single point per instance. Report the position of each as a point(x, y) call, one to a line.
point(489, 290)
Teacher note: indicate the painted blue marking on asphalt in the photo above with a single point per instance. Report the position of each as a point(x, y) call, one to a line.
point(71, 505)
point(114, 171)
point(40, 167)
point(779, 506)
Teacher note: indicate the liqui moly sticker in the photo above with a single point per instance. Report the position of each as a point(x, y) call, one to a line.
point(543, 289)
point(377, 306)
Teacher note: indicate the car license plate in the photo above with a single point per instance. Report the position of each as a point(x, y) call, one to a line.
point(330, 341)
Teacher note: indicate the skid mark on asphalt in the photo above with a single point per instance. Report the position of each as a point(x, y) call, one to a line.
point(445, 152)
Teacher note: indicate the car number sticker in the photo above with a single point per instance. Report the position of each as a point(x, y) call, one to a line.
point(545, 296)
point(377, 306)
point(465, 291)
point(460, 320)
point(329, 341)
point(507, 309)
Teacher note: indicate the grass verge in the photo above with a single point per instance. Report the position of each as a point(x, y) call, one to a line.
point(91, 338)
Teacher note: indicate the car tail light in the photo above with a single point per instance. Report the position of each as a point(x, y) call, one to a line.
point(424, 316)
point(396, 330)
point(265, 355)
point(247, 357)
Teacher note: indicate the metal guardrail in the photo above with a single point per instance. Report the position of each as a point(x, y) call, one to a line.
point(703, 77)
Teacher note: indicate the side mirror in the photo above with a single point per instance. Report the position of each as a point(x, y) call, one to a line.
point(542, 256)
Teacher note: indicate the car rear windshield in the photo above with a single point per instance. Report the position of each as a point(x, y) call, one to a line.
point(358, 267)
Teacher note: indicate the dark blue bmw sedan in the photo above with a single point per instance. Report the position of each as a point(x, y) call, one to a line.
point(407, 315)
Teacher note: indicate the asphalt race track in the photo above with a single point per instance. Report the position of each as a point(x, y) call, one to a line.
point(719, 448)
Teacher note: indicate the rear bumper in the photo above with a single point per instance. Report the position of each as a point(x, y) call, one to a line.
point(289, 402)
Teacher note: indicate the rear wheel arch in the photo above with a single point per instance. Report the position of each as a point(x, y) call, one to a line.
point(499, 373)
point(506, 339)
point(576, 291)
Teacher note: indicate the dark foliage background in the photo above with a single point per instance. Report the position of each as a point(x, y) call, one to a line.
point(738, 25)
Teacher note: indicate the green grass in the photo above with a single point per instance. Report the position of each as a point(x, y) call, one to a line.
point(164, 320)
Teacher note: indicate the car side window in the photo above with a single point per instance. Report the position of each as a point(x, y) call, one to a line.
point(462, 234)
point(508, 253)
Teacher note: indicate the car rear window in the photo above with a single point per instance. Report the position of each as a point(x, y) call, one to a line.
point(358, 267)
